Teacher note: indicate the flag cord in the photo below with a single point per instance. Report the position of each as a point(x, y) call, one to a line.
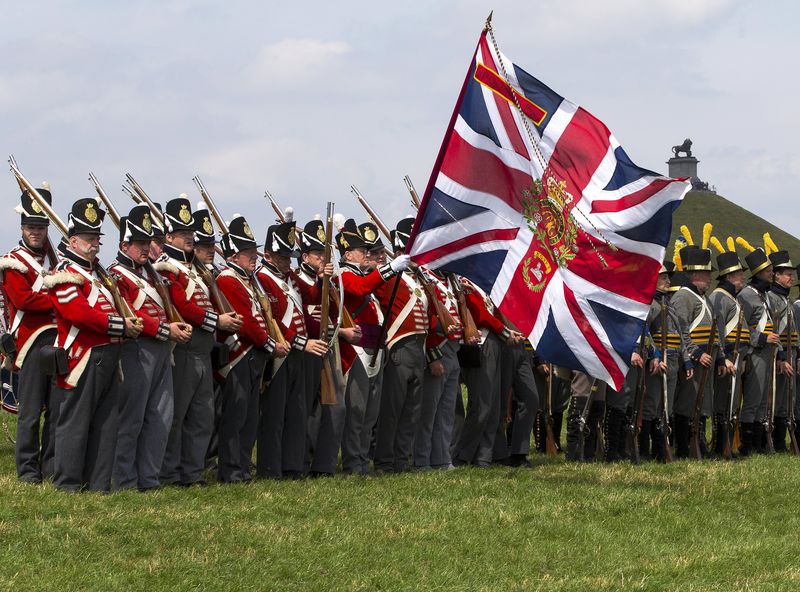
point(540, 156)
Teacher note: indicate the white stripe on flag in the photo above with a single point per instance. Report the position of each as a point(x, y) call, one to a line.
point(508, 157)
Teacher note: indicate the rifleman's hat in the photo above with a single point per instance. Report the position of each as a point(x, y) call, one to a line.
point(779, 258)
point(372, 238)
point(178, 215)
point(678, 280)
point(667, 267)
point(756, 258)
point(86, 217)
point(349, 237)
point(313, 237)
point(137, 225)
point(158, 230)
point(693, 257)
point(401, 234)
point(203, 227)
point(727, 259)
point(282, 240)
point(238, 238)
point(30, 211)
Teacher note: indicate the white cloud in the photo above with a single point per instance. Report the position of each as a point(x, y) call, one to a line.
point(294, 61)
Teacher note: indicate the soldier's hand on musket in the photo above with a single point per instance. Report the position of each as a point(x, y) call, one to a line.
point(705, 360)
point(316, 347)
point(514, 337)
point(730, 367)
point(636, 360)
point(351, 335)
point(657, 366)
point(229, 322)
point(543, 369)
point(281, 350)
point(472, 341)
point(689, 373)
point(773, 338)
point(133, 327)
point(436, 368)
point(326, 271)
point(180, 332)
point(786, 368)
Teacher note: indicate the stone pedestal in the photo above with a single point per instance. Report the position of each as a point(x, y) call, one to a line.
point(683, 166)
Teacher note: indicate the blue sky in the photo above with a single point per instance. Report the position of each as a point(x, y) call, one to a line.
point(308, 98)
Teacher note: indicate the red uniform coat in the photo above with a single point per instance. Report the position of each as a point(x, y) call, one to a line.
point(189, 295)
point(141, 295)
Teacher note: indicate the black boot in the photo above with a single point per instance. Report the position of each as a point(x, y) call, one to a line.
point(575, 439)
point(680, 432)
point(593, 445)
point(746, 433)
point(779, 434)
point(539, 432)
point(644, 439)
point(718, 435)
point(657, 440)
point(759, 438)
point(558, 420)
point(615, 423)
point(702, 438)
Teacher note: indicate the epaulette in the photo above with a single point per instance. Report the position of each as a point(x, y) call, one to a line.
point(63, 277)
point(12, 263)
point(165, 266)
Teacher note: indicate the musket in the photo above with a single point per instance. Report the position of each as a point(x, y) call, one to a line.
point(346, 321)
point(447, 321)
point(550, 439)
point(108, 280)
point(263, 301)
point(583, 420)
point(471, 331)
point(156, 278)
point(794, 448)
point(327, 393)
point(638, 401)
point(665, 385)
point(727, 425)
point(770, 418)
point(711, 349)
point(52, 256)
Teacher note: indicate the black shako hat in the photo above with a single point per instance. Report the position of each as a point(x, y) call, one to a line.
point(372, 238)
point(203, 227)
point(667, 267)
point(757, 260)
point(86, 217)
point(401, 234)
point(780, 260)
point(178, 215)
point(313, 238)
point(30, 211)
point(282, 240)
point(238, 238)
point(137, 225)
point(695, 258)
point(728, 262)
point(349, 237)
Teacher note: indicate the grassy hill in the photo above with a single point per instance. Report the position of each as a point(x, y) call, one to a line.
point(699, 207)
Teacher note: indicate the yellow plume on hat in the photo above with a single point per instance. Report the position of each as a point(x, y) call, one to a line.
point(707, 228)
point(686, 234)
point(731, 244)
point(717, 245)
point(744, 244)
point(676, 255)
point(769, 244)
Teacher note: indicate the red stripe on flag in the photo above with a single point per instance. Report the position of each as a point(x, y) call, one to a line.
point(602, 206)
point(504, 107)
point(482, 171)
point(579, 151)
point(467, 241)
point(521, 303)
point(592, 339)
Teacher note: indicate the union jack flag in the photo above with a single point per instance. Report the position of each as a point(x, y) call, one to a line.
point(571, 260)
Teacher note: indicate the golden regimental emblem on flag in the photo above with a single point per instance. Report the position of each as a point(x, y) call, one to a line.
point(291, 238)
point(185, 215)
point(246, 229)
point(369, 235)
point(146, 224)
point(207, 228)
point(90, 214)
point(320, 234)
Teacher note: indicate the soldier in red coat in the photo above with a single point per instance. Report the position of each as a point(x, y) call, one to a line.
point(32, 325)
point(192, 374)
point(250, 349)
point(146, 402)
point(284, 405)
point(90, 329)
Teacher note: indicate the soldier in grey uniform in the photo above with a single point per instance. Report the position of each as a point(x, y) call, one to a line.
point(796, 328)
point(779, 306)
point(759, 353)
point(730, 327)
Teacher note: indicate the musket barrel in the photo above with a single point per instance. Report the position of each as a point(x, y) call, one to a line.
point(37, 197)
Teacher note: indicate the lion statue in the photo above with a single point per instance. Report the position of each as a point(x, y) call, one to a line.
point(685, 147)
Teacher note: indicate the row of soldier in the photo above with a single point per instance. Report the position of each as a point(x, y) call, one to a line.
point(144, 398)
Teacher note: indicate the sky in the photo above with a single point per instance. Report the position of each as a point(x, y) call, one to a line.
point(307, 98)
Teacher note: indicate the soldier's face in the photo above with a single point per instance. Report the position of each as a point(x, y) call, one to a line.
point(736, 279)
point(356, 257)
point(85, 245)
point(34, 235)
point(765, 275)
point(282, 262)
point(314, 259)
point(246, 259)
point(181, 239)
point(663, 282)
point(785, 277)
point(204, 253)
point(156, 248)
point(701, 280)
point(377, 257)
point(136, 250)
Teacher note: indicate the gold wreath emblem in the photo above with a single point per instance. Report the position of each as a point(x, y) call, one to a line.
point(37, 209)
point(291, 238)
point(90, 214)
point(185, 215)
point(247, 232)
point(146, 224)
point(320, 234)
point(369, 235)
point(539, 266)
point(207, 228)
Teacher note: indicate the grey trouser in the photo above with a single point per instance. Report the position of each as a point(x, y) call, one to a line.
point(34, 392)
point(435, 429)
point(401, 401)
point(325, 424)
point(239, 421)
point(145, 413)
point(86, 428)
point(516, 374)
point(688, 390)
point(362, 405)
point(756, 382)
point(654, 399)
point(283, 419)
point(193, 417)
point(476, 444)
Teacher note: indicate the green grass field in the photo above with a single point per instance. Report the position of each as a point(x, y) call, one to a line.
point(558, 526)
